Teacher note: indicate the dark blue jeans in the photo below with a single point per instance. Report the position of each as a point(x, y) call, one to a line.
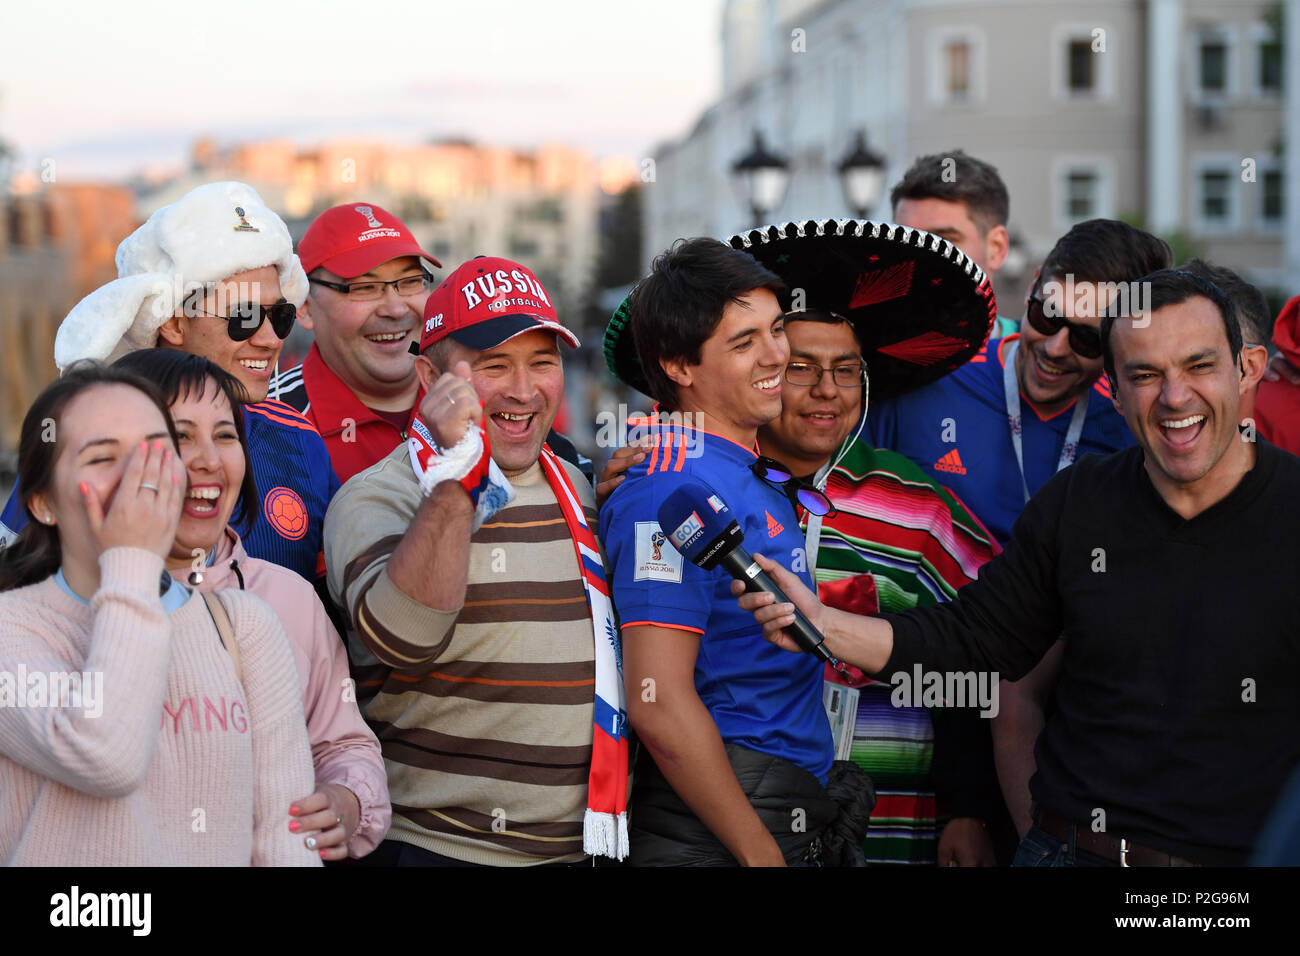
point(1040, 848)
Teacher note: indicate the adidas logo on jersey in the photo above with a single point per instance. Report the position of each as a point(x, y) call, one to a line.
point(774, 527)
point(951, 463)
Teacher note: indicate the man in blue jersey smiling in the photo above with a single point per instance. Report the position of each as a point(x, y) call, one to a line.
point(214, 274)
point(738, 749)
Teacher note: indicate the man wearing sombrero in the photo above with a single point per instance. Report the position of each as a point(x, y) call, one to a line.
point(214, 274)
point(739, 763)
point(937, 789)
point(890, 521)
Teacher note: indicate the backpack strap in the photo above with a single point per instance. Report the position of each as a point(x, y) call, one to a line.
point(224, 631)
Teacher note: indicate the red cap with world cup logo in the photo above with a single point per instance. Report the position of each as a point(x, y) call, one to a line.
point(352, 239)
point(487, 301)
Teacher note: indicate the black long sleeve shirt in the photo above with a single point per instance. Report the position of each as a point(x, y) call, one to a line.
point(1178, 705)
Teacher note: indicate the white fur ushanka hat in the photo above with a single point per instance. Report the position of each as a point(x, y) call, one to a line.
point(213, 232)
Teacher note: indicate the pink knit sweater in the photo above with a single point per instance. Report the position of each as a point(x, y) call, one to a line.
point(183, 766)
point(344, 749)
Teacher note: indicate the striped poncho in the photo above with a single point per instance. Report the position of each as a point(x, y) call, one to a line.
point(920, 544)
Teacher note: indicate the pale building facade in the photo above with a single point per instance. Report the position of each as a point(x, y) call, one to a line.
point(1166, 112)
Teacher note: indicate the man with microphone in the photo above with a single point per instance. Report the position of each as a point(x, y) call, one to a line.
point(738, 748)
point(1176, 723)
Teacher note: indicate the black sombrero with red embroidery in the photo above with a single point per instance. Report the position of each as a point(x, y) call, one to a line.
point(921, 307)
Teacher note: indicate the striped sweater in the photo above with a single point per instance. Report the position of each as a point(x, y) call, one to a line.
point(920, 544)
point(484, 713)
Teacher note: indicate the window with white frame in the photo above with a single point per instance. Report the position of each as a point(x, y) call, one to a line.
point(1213, 64)
point(1272, 200)
point(956, 66)
point(1213, 61)
point(1215, 195)
point(956, 70)
point(1081, 76)
point(1267, 67)
point(1082, 61)
point(1082, 190)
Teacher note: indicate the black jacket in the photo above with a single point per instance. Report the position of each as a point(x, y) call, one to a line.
point(811, 823)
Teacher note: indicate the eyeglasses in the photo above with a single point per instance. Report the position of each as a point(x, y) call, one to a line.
point(245, 319)
point(801, 493)
point(363, 291)
point(1084, 339)
point(807, 374)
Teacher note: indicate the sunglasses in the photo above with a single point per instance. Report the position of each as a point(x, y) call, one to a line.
point(1084, 339)
point(245, 319)
point(802, 494)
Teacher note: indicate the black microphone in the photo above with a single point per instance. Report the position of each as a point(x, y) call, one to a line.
point(700, 526)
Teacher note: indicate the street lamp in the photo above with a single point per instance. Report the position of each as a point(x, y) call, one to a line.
point(862, 174)
point(762, 177)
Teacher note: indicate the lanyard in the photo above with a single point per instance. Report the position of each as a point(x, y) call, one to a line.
point(1012, 389)
point(812, 537)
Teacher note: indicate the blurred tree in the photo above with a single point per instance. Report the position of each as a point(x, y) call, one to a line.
point(620, 262)
point(8, 156)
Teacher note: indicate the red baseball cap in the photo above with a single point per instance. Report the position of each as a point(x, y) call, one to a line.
point(487, 301)
point(352, 239)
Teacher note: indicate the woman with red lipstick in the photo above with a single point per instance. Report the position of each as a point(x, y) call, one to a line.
point(348, 812)
point(135, 740)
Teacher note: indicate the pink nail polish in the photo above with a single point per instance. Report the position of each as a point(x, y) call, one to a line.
point(293, 810)
point(295, 825)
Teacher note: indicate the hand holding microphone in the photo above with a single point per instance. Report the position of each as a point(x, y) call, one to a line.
point(700, 525)
point(777, 612)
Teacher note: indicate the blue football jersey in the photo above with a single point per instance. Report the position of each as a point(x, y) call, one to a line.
point(759, 696)
point(295, 484)
point(957, 430)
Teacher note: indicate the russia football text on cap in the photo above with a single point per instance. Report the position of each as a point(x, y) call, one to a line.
point(354, 238)
point(487, 301)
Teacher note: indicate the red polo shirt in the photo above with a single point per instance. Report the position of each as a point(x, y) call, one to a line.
point(355, 436)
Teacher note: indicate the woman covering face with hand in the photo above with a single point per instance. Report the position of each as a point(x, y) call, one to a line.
point(347, 812)
point(135, 742)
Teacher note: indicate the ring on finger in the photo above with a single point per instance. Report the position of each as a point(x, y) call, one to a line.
point(151, 487)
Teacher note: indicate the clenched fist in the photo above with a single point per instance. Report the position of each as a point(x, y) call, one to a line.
point(451, 407)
